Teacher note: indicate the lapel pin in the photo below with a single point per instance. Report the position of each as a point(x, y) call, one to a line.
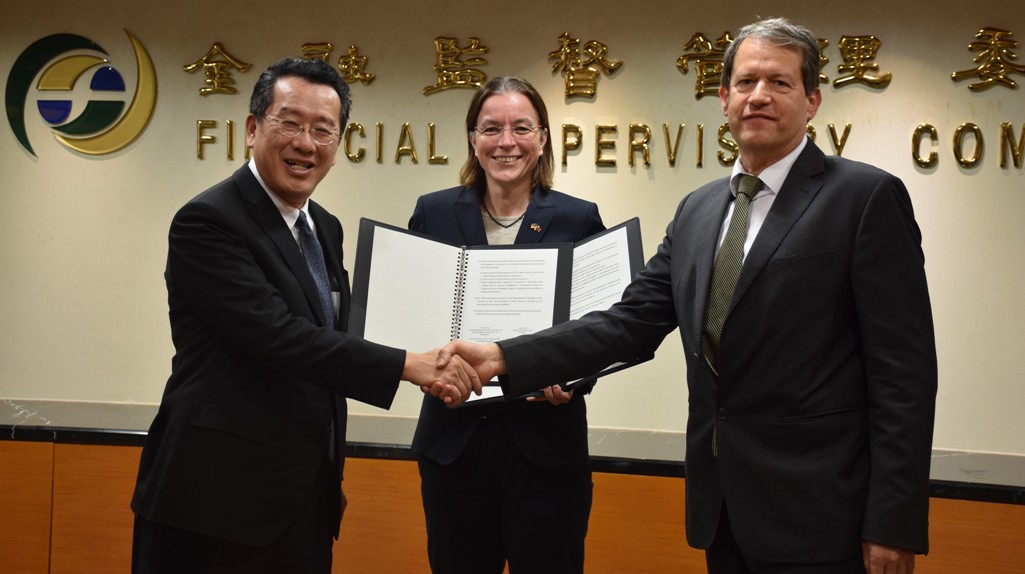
point(535, 227)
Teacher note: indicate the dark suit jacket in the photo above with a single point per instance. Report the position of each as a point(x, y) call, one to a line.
point(547, 435)
point(242, 427)
point(825, 401)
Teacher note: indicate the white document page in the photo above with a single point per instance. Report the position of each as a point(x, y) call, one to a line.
point(411, 291)
point(508, 292)
point(601, 271)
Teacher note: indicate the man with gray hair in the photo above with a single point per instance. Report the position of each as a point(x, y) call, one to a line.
point(799, 288)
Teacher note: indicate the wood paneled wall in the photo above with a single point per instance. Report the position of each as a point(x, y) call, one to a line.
point(26, 489)
point(92, 521)
point(636, 521)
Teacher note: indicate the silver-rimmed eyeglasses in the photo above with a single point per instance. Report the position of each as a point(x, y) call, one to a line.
point(290, 129)
point(518, 132)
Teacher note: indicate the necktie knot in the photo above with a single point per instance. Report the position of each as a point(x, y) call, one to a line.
point(748, 186)
point(302, 225)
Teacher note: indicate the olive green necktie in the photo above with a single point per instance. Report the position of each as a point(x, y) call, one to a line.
point(727, 270)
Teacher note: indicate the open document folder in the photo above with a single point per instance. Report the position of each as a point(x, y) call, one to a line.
point(414, 292)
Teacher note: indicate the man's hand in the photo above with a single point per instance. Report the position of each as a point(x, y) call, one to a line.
point(883, 559)
point(452, 381)
point(487, 360)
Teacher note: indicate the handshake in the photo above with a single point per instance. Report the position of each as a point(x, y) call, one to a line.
point(454, 371)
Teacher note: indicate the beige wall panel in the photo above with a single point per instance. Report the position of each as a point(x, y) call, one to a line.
point(84, 238)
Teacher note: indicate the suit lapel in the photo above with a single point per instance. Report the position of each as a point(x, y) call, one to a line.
point(468, 217)
point(331, 243)
point(537, 218)
point(535, 223)
point(709, 218)
point(266, 215)
point(798, 191)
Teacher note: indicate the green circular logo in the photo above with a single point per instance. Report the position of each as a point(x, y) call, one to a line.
point(107, 124)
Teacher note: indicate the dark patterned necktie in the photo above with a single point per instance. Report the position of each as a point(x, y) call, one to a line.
point(315, 261)
point(727, 270)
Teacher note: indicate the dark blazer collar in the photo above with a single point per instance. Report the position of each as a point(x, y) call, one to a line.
point(537, 218)
point(535, 223)
point(468, 215)
point(268, 218)
point(709, 216)
point(330, 240)
point(799, 189)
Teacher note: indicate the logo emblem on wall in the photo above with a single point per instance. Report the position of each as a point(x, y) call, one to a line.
point(104, 126)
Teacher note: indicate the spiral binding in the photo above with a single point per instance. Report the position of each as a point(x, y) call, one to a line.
point(460, 293)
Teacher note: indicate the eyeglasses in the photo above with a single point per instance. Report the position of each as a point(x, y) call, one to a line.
point(290, 129)
point(518, 132)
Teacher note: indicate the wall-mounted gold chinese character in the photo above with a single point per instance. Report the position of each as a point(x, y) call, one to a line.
point(707, 58)
point(216, 66)
point(353, 67)
point(823, 60)
point(454, 72)
point(994, 60)
point(859, 53)
point(317, 50)
point(582, 74)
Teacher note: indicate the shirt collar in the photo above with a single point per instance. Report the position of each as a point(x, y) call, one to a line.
point(773, 176)
point(288, 213)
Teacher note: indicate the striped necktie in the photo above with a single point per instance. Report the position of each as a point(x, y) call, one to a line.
point(727, 270)
point(314, 256)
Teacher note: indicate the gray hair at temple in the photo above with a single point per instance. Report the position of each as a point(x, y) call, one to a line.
point(781, 33)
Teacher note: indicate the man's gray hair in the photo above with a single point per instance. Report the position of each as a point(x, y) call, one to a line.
point(779, 32)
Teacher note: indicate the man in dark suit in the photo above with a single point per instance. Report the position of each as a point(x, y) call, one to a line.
point(241, 467)
point(812, 381)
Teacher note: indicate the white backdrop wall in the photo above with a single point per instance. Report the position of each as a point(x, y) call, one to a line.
point(84, 238)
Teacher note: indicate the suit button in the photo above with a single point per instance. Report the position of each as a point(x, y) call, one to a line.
point(722, 414)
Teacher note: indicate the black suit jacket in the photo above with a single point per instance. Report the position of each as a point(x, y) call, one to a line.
point(547, 435)
point(824, 406)
point(256, 379)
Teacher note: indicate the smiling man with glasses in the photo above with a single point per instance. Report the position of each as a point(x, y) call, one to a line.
point(241, 467)
point(290, 129)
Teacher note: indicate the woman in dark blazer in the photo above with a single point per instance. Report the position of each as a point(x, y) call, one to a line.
point(515, 471)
